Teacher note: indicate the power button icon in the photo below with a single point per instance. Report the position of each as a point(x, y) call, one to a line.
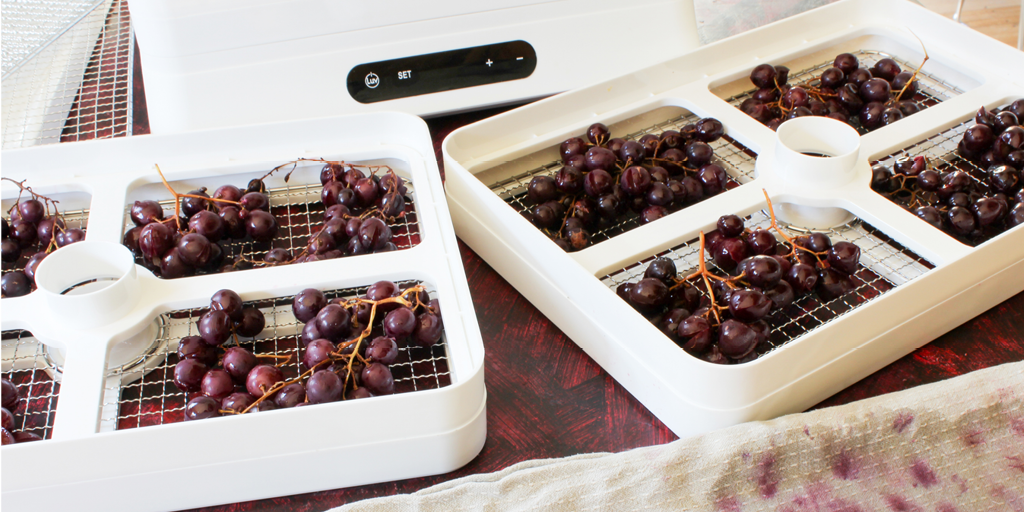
point(372, 80)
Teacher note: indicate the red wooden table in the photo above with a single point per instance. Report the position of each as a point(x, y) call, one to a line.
point(546, 398)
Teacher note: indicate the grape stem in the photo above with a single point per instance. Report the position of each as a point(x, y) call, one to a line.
point(916, 71)
point(177, 198)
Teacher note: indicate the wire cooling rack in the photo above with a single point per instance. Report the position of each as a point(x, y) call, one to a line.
point(67, 70)
point(885, 264)
point(932, 89)
point(736, 159)
point(25, 363)
point(145, 395)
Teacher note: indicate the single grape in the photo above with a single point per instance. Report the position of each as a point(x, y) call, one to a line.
point(6, 419)
point(228, 302)
point(378, 379)
point(239, 362)
point(695, 333)
point(15, 284)
point(736, 339)
point(260, 225)
point(10, 395)
point(317, 352)
point(760, 270)
point(202, 407)
point(383, 350)
point(237, 402)
point(374, 234)
point(193, 205)
point(215, 327)
point(400, 323)
point(730, 225)
point(749, 305)
point(307, 304)
point(324, 386)
point(334, 322)
point(290, 396)
point(6, 437)
point(252, 322)
point(832, 283)
point(188, 374)
point(217, 384)
point(193, 347)
point(262, 378)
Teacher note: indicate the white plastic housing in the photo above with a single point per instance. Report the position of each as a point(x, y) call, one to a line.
point(240, 62)
point(692, 396)
point(239, 458)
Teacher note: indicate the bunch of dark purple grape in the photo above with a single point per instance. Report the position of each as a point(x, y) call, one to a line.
point(358, 209)
point(867, 98)
point(720, 316)
point(188, 241)
point(600, 182)
point(967, 203)
point(338, 361)
point(32, 233)
point(11, 402)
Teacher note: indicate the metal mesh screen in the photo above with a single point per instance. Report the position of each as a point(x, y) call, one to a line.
point(26, 364)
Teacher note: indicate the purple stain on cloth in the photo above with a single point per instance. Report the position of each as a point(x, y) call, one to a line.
point(946, 507)
point(960, 482)
point(923, 473)
point(973, 438)
point(843, 466)
point(730, 504)
point(1016, 462)
point(902, 421)
point(767, 480)
point(901, 504)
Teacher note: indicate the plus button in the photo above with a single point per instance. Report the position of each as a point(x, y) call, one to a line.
point(489, 62)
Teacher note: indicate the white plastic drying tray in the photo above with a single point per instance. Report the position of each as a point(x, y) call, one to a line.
point(223, 460)
point(692, 396)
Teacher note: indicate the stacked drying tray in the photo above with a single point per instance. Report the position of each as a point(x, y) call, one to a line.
point(913, 283)
point(93, 350)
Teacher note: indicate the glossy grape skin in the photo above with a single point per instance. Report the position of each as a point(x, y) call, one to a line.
point(729, 253)
point(238, 362)
point(961, 220)
point(635, 180)
point(736, 339)
point(781, 295)
point(844, 256)
point(262, 378)
point(383, 350)
point(886, 69)
point(695, 334)
point(144, 212)
point(763, 76)
point(11, 250)
point(324, 386)
point(188, 374)
point(572, 147)
point(649, 291)
point(400, 323)
point(202, 407)
point(987, 211)
point(155, 239)
point(229, 302)
point(730, 225)
point(929, 214)
point(760, 270)
point(712, 179)
point(749, 305)
point(252, 323)
point(846, 62)
point(929, 180)
point(193, 205)
point(15, 284)
point(795, 97)
point(253, 201)
point(698, 154)
point(374, 234)
point(833, 78)
point(317, 352)
point(1016, 216)
point(663, 269)
point(208, 224)
point(709, 129)
point(901, 80)
point(215, 327)
point(541, 189)
point(871, 115)
point(428, 329)
point(832, 283)
point(173, 266)
point(11, 398)
point(237, 402)
point(290, 395)
point(217, 384)
point(261, 225)
point(7, 419)
point(1003, 178)
point(307, 304)
point(334, 322)
point(193, 347)
point(378, 379)
point(762, 241)
point(802, 277)
point(31, 210)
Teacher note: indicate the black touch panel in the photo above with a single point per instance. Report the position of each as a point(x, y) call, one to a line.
point(442, 71)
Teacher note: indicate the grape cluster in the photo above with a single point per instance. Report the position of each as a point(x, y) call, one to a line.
point(971, 207)
point(357, 208)
point(11, 401)
point(33, 232)
point(187, 241)
point(720, 316)
point(867, 98)
point(602, 180)
point(339, 358)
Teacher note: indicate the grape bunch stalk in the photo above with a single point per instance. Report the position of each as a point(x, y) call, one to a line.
point(603, 180)
point(339, 361)
point(719, 316)
point(969, 205)
point(36, 228)
point(868, 98)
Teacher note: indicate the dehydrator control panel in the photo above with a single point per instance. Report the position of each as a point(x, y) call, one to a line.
point(441, 71)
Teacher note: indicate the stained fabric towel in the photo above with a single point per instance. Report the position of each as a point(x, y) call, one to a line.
point(956, 445)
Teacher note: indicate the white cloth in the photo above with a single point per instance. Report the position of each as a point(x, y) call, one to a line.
point(956, 445)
